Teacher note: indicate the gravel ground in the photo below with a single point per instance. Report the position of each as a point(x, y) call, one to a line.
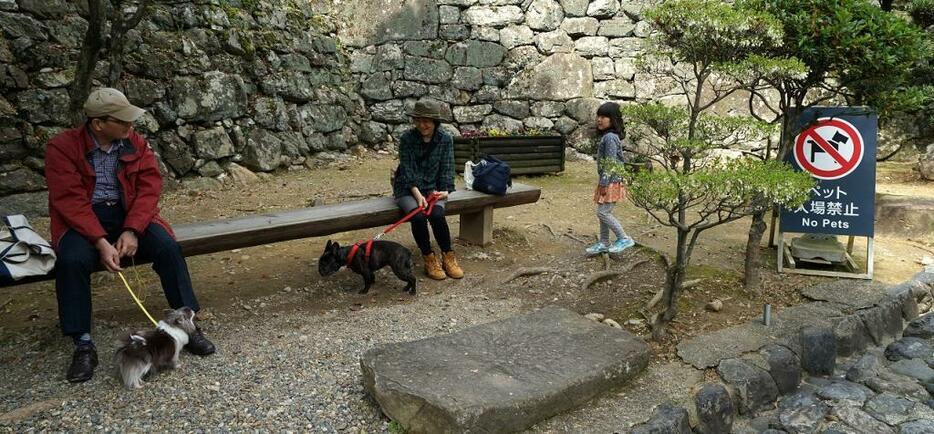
point(273, 372)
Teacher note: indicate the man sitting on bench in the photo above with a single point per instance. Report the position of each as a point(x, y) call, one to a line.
point(104, 187)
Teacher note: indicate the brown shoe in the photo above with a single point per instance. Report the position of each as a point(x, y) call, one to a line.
point(433, 267)
point(449, 262)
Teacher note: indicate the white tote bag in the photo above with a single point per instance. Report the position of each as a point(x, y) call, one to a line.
point(468, 174)
point(23, 252)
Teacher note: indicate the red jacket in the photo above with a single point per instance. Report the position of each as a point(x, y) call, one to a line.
point(71, 179)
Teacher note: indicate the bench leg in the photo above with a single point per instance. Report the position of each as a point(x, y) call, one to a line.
point(477, 227)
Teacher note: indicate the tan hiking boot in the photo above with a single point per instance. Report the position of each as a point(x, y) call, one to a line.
point(433, 267)
point(449, 262)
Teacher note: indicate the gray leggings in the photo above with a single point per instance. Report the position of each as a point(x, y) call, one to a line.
point(608, 221)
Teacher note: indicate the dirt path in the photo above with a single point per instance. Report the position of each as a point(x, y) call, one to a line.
point(546, 234)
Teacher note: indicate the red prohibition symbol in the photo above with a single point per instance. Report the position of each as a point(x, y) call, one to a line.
point(831, 148)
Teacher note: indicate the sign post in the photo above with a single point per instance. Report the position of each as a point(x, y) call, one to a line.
point(837, 146)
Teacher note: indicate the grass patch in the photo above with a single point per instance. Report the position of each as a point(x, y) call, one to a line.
point(396, 428)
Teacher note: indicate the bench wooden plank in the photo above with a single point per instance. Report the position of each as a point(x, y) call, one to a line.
point(247, 231)
point(220, 235)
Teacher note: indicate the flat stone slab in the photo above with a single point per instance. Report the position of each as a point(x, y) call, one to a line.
point(848, 292)
point(707, 351)
point(502, 376)
point(907, 216)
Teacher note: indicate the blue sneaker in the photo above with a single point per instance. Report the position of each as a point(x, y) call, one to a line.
point(621, 245)
point(596, 249)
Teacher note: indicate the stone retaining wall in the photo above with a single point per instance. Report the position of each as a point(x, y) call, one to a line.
point(266, 83)
point(259, 83)
point(826, 376)
point(503, 64)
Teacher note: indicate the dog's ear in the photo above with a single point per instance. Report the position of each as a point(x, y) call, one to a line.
point(335, 247)
point(329, 245)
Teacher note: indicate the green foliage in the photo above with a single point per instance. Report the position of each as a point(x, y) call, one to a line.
point(724, 189)
point(704, 46)
point(849, 46)
point(396, 428)
point(247, 43)
point(667, 131)
point(770, 69)
point(708, 31)
point(248, 5)
point(922, 11)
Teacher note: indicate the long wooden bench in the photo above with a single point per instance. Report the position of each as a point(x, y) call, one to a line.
point(475, 209)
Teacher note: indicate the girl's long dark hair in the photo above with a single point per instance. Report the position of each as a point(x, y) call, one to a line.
point(611, 110)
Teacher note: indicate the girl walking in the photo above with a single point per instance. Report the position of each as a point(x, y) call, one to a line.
point(610, 188)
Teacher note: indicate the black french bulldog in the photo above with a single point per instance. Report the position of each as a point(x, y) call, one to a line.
point(382, 254)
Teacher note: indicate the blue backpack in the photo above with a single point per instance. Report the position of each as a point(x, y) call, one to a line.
point(492, 176)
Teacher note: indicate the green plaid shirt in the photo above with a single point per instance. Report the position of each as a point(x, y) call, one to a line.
point(428, 166)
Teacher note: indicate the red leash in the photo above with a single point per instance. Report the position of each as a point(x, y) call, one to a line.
point(429, 206)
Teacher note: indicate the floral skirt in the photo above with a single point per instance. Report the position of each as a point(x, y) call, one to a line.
point(615, 192)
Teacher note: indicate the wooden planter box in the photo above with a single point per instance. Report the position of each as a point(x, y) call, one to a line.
point(524, 154)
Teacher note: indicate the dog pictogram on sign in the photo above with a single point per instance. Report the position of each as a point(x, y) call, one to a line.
point(831, 148)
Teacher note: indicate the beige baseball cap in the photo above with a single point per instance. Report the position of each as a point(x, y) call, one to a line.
point(111, 102)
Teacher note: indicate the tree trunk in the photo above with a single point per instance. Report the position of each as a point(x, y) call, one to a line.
point(120, 25)
point(751, 277)
point(87, 61)
point(674, 276)
point(115, 50)
point(788, 133)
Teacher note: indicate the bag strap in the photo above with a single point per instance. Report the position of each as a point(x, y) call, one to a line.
point(3, 254)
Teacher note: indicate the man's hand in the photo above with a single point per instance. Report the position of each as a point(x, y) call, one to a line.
point(127, 244)
point(109, 255)
point(442, 195)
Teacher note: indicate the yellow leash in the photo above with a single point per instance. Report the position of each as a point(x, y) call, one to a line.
point(138, 303)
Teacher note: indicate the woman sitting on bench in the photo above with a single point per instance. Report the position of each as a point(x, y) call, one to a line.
point(426, 166)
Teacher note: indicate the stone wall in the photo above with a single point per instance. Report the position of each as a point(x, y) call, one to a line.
point(266, 84)
point(262, 84)
point(504, 64)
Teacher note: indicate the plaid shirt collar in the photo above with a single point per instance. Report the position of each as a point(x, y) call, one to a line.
point(115, 146)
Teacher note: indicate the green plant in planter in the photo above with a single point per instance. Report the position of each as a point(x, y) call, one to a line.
point(497, 132)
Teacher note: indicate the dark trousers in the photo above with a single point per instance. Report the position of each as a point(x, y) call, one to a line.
point(78, 258)
point(439, 224)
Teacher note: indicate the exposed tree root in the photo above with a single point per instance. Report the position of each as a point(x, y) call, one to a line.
point(606, 274)
point(529, 271)
point(691, 283)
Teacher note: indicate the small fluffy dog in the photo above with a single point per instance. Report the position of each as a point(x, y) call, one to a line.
point(383, 253)
point(152, 351)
